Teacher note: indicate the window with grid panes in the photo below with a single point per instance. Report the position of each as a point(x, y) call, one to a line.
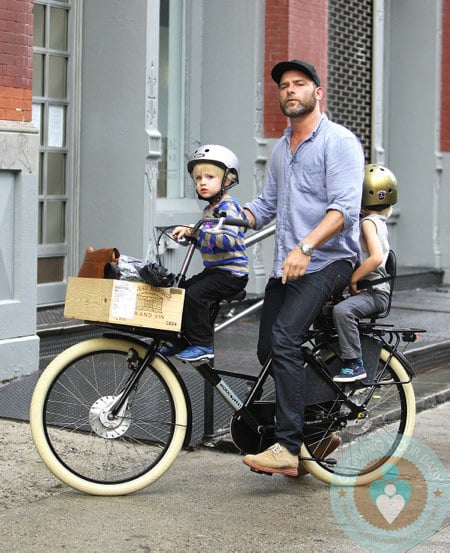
point(349, 87)
point(50, 112)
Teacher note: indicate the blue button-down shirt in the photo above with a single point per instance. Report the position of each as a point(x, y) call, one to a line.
point(325, 172)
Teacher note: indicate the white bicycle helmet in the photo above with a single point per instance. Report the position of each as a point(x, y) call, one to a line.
point(223, 158)
point(218, 155)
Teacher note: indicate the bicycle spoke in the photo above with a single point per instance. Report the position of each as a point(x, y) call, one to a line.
point(378, 410)
point(84, 433)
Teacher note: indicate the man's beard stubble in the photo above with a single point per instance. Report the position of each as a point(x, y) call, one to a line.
point(303, 107)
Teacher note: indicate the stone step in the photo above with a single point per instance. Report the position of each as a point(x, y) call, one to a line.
point(409, 278)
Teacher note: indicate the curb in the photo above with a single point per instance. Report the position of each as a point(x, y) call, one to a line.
point(429, 357)
point(432, 400)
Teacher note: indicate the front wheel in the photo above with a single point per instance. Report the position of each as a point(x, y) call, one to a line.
point(78, 438)
point(388, 415)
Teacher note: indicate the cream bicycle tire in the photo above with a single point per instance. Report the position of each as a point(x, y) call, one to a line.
point(329, 476)
point(50, 386)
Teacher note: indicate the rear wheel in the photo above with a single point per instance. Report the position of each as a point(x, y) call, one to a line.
point(78, 437)
point(387, 416)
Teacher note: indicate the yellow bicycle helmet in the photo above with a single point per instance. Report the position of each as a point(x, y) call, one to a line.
point(380, 187)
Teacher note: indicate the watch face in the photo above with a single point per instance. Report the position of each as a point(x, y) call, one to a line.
point(306, 249)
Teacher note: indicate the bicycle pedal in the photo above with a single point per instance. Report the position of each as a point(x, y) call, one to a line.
point(199, 362)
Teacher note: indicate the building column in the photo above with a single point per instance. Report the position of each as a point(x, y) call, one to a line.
point(19, 155)
point(19, 344)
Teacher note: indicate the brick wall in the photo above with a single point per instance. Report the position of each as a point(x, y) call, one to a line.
point(445, 76)
point(294, 29)
point(16, 57)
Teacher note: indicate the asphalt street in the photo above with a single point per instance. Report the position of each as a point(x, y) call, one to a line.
point(207, 501)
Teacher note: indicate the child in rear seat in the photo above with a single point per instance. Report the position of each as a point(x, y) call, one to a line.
point(214, 170)
point(379, 195)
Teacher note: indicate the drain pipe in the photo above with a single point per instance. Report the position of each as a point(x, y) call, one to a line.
point(436, 237)
point(437, 182)
point(378, 81)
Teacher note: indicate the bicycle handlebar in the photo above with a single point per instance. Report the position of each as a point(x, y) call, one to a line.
point(220, 223)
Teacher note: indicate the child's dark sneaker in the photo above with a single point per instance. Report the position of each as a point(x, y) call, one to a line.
point(352, 373)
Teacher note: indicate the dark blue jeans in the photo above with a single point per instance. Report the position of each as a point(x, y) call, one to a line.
point(288, 312)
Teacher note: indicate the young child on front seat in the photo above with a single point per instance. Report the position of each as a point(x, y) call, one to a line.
point(379, 195)
point(214, 170)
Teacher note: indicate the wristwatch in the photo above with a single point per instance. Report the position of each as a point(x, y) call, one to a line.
point(305, 248)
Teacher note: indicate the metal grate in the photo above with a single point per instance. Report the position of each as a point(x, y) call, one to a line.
point(349, 88)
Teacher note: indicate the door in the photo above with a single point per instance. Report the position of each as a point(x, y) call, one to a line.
point(51, 113)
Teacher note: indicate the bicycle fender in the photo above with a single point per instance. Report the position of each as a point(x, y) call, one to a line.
point(403, 360)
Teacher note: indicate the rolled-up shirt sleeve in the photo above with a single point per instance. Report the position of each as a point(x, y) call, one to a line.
point(344, 178)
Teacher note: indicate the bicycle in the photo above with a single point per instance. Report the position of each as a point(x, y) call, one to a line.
point(109, 415)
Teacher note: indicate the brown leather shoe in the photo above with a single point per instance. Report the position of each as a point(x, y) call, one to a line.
point(276, 459)
point(322, 450)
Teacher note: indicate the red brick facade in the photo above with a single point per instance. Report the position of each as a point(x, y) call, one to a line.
point(16, 57)
point(445, 76)
point(295, 29)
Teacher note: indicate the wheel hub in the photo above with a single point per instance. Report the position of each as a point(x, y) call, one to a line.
point(103, 423)
point(360, 424)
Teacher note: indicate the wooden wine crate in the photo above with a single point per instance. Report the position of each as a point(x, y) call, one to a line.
point(124, 302)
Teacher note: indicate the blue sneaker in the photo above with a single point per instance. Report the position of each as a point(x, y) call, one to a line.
point(351, 374)
point(195, 353)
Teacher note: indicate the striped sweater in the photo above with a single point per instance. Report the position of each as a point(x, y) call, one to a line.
point(224, 251)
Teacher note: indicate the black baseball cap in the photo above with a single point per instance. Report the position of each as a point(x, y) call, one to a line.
point(296, 65)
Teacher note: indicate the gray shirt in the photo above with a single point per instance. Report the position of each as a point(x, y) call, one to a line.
point(325, 172)
point(382, 232)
